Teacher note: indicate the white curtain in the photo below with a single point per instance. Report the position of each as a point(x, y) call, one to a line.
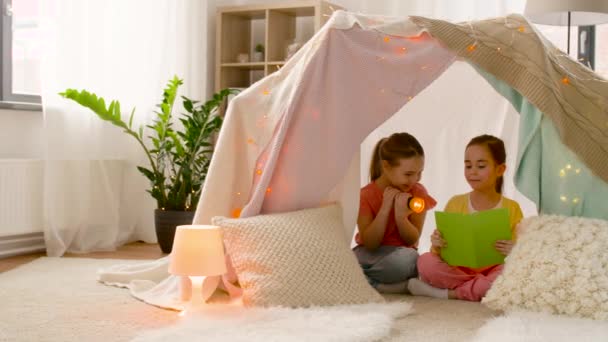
point(94, 198)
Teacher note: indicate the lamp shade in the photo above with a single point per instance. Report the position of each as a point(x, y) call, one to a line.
point(198, 250)
point(555, 12)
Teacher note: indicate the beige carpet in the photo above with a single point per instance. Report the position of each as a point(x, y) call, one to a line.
point(440, 320)
point(58, 299)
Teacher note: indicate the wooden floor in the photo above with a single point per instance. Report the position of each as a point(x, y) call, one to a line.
point(135, 250)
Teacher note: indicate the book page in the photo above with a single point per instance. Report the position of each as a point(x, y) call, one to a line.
point(470, 238)
point(488, 227)
point(458, 237)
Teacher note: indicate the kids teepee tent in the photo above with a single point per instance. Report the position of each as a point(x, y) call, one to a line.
point(293, 140)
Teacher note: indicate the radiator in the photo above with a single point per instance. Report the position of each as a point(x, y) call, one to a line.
point(21, 206)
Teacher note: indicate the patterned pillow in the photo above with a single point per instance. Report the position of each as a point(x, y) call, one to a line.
point(559, 265)
point(295, 259)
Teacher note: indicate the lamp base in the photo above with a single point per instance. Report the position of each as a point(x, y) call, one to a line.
point(201, 289)
point(198, 290)
point(186, 290)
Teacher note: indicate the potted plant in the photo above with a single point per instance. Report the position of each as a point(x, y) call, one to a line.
point(178, 160)
point(258, 55)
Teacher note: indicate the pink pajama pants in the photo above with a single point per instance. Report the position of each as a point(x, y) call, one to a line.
point(468, 283)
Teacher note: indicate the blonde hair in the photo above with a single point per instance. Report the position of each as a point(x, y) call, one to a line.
point(395, 147)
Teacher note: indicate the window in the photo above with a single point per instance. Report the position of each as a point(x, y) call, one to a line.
point(21, 51)
point(558, 36)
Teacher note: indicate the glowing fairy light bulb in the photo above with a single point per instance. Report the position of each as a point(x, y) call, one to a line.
point(268, 190)
point(236, 212)
point(563, 198)
point(266, 92)
point(566, 80)
point(562, 173)
point(387, 39)
point(575, 200)
point(577, 171)
point(258, 172)
point(416, 204)
point(471, 47)
point(568, 166)
point(521, 29)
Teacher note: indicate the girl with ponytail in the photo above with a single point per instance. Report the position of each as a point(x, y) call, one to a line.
point(388, 230)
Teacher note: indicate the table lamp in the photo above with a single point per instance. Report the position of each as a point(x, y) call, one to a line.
point(198, 256)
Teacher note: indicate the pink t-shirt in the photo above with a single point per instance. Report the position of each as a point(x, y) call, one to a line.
point(370, 202)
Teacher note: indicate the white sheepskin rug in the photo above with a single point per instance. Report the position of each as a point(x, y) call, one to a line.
point(541, 327)
point(348, 323)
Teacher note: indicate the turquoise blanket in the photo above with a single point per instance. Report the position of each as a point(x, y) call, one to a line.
point(547, 172)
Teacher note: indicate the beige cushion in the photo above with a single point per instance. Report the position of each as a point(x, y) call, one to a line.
point(559, 265)
point(295, 259)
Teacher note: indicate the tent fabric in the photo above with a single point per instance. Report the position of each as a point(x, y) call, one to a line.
point(548, 172)
point(291, 141)
point(573, 96)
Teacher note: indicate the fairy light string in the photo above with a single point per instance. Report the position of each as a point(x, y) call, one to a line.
point(517, 30)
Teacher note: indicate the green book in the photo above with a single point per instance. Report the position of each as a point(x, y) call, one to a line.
point(470, 238)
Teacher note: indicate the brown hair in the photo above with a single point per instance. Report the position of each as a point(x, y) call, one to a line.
point(497, 149)
point(391, 149)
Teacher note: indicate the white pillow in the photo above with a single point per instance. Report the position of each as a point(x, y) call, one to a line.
point(558, 265)
point(295, 259)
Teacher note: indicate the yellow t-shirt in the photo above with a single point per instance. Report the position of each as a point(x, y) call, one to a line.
point(460, 204)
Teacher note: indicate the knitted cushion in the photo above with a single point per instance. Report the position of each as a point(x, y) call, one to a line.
point(558, 265)
point(295, 259)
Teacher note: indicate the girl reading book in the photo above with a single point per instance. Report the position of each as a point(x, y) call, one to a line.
point(484, 166)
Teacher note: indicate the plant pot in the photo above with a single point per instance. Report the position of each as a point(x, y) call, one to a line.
point(258, 57)
point(166, 221)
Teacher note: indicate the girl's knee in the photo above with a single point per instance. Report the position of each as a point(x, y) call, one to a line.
point(409, 254)
point(427, 264)
point(426, 260)
point(399, 265)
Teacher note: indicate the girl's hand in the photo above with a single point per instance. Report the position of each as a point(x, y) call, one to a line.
point(504, 246)
point(437, 240)
point(388, 197)
point(401, 207)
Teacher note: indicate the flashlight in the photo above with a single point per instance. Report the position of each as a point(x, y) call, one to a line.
point(416, 204)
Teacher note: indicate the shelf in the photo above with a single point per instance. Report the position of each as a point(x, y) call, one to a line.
point(275, 25)
point(250, 65)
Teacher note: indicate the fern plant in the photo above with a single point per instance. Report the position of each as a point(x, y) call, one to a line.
point(179, 159)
